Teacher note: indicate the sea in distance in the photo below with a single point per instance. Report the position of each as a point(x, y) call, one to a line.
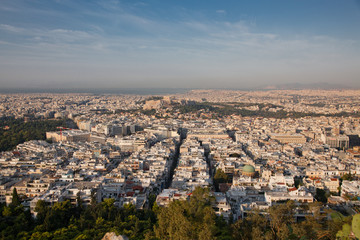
point(96, 91)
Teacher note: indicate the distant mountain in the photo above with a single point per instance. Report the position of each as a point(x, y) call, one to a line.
point(299, 86)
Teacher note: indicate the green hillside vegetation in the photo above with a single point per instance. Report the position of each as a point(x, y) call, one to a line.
point(192, 219)
point(19, 131)
point(225, 109)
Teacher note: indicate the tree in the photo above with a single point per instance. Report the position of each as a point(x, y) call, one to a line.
point(321, 195)
point(21, 131)
point(199, 199)
point(41, 209)
point(173, 223)
point(235, 155)
point(280, 216)
point(356, 225)
point(344, 232)
point(347, 176)
point(79, 203)
point(313, 227)
point(93, 200)
point(6, 211)
point(109, 208)
point(156, 209)
point(193, 219)
point(152, 199)
point(15, 199)
point(254, 226)
point(220, 177)
point(59, 215)
point(349, 228)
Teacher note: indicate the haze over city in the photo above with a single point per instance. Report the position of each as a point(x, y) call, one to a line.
point(178, 44)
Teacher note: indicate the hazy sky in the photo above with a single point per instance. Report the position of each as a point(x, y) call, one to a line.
point(184, 43)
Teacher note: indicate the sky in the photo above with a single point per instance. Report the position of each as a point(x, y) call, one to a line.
point(178, 44)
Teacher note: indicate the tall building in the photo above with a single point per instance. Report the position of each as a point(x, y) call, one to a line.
point(340, 141)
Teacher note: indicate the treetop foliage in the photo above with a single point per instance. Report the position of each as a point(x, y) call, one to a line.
point(19, 131)
point(192, 219)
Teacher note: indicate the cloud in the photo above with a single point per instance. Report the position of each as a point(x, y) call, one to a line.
point(121, 44)
point(11, 28)
point(210, 40)
point(67, 35)
point(221, 11)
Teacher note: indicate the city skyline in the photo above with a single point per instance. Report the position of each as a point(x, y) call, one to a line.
point(162, 44)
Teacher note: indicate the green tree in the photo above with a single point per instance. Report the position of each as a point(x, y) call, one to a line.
point(15, 199)
point(234, 155)
point(344, 233)
point(220, 177)
point(21, 131)
point(152, 199)
point(281, 216)
point(356, 225)
point(347, 176)
point(108, 208)
point(59, 215)
point(321, 195)
point(193, 219)
point(173, 224)
point(41, 210)
point(312, 227)
point(6, 211)
point(254, 226)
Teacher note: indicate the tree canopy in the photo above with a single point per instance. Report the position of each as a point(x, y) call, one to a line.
point(16, 131)
point(189, 219)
